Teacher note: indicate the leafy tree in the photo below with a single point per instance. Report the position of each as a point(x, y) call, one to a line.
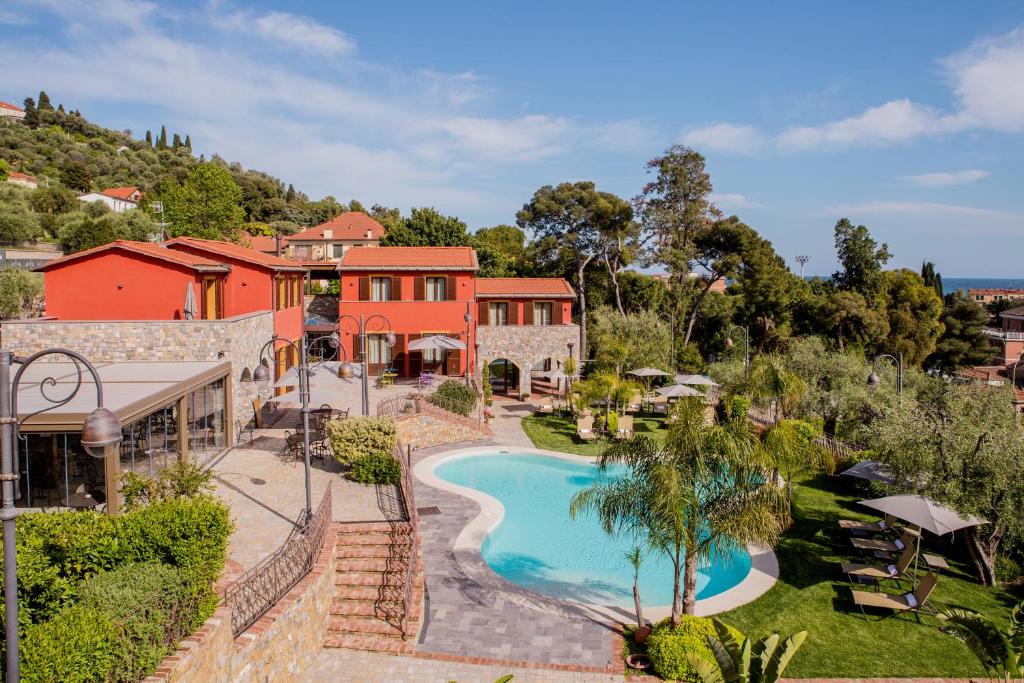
point(774, 385)
point(85, 232)
point(44, 102)
point(737, 658)
point(700, 495)
point(1000, 651)
point(31, 113)
point(860, 257)
point(4, 169)
point(76, 175)
point(53, 200)
point(619, 240)
point(161, 141)
point(427, 227)
point(643, 292)
point(17, 221)
point(847, 317)
point(176, 143)
point(791, 446)
point(501, 251)
point(913, 311)
point(932, 278)
point(768, 291)
point(207, 205)
point(963, 342)
point(719, 250)
point(188, 142)
point(20, 293)
point(149, 138)
point(626, 342)
point(569, 219)
point(635, 557)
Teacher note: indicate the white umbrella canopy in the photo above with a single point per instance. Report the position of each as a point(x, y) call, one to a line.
point(437, 341)
point(696, 380)
point(678, 391)
point(190, 309)
point(923, 512)
point(648, 372)
point(872, 470)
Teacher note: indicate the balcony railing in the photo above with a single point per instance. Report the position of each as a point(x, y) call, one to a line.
point(1003, 334)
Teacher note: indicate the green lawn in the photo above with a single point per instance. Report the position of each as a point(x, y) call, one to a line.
point(811, 594)
point(558, 433)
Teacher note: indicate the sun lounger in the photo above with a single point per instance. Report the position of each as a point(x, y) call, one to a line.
point(879, 573)
point(625, 427)
point(908, 602)
point(546, 405)
point(635, 404)
point(585, 429)
point(871, 544)
point(868, 527)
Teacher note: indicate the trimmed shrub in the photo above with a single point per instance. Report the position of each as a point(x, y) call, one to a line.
point(357, 437)
point(183, 479)
point(668, 647)
point(454, 396)
point(376, 468)
point(79, 645)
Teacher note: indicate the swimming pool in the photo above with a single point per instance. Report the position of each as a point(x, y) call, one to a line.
point(539, 547)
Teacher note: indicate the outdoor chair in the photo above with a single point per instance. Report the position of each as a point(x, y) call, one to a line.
point(894, 572)
point(661, 407)
point(856, 526)
point(908, 602)
point(585, 429)
point(320, 449)
point(878, 544)
point(635, 404)
point(625, 427)
point(546, 405)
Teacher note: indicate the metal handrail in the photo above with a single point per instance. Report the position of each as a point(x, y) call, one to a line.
point(404, 457)
point(256, 591)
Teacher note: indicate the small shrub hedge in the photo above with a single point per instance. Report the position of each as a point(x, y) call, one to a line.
point(376, 468)
point(183, 479)
point(454, 396)
point(668, 647)
point(358, 437)
point(79, 645)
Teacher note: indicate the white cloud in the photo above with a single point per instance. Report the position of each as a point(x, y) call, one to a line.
point(290, 31)
point(725, 137)
point(988, 82)
point(891, 123)
point(921, 209)
point(737, 201)
point(945, 179)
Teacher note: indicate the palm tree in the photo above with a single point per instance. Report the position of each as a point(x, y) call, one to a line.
point(791, 447)
point(703, 495)
point(635, 557)
point(771, 381)
point(740, 659)
point(1000, 652)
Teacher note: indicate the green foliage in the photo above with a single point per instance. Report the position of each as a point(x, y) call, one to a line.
point(79, 645)
point(912, 309)
point(637, 340)
point(688, 359)
point(96, 225)
point(357, 437)
point(485, 383)
point(1000, 651)
point(671, 647)
point(501, 250)
point(206, 205)
point(183, 479)
point(426, 227)
point(768, 293)
point(737, 658)
point(53, 200)
point(739, 406)
point(18, 223)
point(963, 342)
point(20, 293)
point(860, 258)
point(376, 468)
point(454, 396)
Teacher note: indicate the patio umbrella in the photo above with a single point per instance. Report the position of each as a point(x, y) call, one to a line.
point(872, 470)
point(924, 513)
point(437, 341)
point(696, 380)
point(190, 309)
point(677, 391)
point(647, 372)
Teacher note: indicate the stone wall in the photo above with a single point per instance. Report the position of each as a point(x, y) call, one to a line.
point(527, 346)
point(278, 647)
point(237, 339)
point(423, 431)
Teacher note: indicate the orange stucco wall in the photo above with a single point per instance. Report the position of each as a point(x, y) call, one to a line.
point(118, 286)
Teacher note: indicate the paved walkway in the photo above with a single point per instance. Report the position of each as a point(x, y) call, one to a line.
point(507, 422)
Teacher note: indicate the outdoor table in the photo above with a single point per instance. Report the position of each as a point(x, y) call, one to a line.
point(934, 561)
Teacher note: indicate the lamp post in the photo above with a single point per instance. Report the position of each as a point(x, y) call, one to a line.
point(746, 347)
point(874, 380)
point(469, 319)
point(100, 430)
point(389, 338)
point(262, 376)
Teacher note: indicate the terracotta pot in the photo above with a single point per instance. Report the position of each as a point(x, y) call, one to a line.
point(641, 634)
point(638, 661)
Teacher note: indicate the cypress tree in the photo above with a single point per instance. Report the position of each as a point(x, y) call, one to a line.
point(290, 194)
point(161, 142)
point(44, 101)
point(188, 142)
point(149, 138)
point(31, 113)
point(60, 108)
point(177, 141)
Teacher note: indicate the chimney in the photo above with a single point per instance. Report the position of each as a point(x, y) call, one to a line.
point(369, 234)
point(328, 233)
point(277, 244)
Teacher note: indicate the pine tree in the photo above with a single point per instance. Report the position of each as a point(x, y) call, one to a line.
point(188, 142)
point(177, 141)
point(44, 101)
point(290, 194)
point(931, 277)
point(149, 138)
point(31, 113)
point(161, 142)
point(60, 108)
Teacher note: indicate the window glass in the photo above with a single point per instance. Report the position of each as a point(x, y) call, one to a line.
point(542, 313)
point(435, 288)
point(206, 421)
point(377, 351)
point(497, 313)
point(380, 289)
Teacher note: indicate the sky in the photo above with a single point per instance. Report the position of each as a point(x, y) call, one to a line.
point(906, 117)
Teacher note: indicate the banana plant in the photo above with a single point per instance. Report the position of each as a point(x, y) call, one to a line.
point(1001, 652)
point(743, 660)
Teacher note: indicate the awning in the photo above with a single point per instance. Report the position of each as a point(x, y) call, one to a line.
point(678, 391)
point(695, 380)
point(648, 372)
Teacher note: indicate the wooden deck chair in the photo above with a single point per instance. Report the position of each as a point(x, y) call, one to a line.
point(625, 427)
point(858, 526)
point(872, 544)
point(661, 406)
point(546, 405)
point(585, 428)
point(908, 602)
point(878, 572)
point(635, 404)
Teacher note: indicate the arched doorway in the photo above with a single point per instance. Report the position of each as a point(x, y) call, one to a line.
point(504, 377)
point(547, 377)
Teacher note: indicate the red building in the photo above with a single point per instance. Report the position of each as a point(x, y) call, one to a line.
point(524, 301)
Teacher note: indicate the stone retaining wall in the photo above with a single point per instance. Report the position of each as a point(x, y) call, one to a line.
point(237, 339)
point(278, 647)
point(526, 346)
point(422, 431)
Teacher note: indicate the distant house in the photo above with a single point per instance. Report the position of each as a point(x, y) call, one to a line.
point(266, 244)
point(329, 241)
point(23, 179)
point(10, 111)
point(119, 199)
point(987, 296)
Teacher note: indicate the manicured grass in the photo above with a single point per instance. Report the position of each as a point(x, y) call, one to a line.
point(812, 595)
point(558, 433)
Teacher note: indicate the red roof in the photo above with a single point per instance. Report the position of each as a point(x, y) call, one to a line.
point(991, 292)
point(236, 251)
point(180, 258)
point(351, 225)
point(268, 245)
point(122, 193)
point(8, 105)
point(21, 176)
point(524, 287)
point(409, 258)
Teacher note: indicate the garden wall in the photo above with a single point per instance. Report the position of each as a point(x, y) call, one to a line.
point(278, 647)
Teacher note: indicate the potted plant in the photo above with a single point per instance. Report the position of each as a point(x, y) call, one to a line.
point(635, 558)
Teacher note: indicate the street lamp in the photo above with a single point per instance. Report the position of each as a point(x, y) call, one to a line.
point(469, 319)
point(389, 338)
point(746, 347)
point(874, 381)
point(100, 430)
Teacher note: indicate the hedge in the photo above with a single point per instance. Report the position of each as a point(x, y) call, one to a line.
point(357, 437)
point(79, 645)
point(376, 468)
point(668, 647)
point(454, 396)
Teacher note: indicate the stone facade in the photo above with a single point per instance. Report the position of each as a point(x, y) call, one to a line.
point(278, 647)
point(526, 346)
point(423, 431)
point(237, 339)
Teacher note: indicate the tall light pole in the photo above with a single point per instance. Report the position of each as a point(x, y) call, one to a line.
point(389, 338)
point(874, 380)
point(469, 319)
point(746, 347)
point(802, 260)
point(100, 430)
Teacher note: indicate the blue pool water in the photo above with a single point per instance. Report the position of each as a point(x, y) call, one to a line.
point(539, 547)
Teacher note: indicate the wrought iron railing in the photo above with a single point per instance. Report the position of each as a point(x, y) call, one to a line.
point(404, 457)
point(261, 587)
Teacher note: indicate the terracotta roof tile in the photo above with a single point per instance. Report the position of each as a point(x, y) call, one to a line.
point(236, 251)
point(122, 193)
point(21, 176)
point(8, 105)
point(268, 245)
point(351, 225)
point(180, 258)
point(409, 258)
point(524, 287)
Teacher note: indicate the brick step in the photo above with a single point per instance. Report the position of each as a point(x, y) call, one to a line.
point(363, 608)
point(374, 579)
point(371, 594)
point(357, 625)
point(367, 538)
point(371, 527)
point(362, 551)
point(365, 564)
point(385, 645)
